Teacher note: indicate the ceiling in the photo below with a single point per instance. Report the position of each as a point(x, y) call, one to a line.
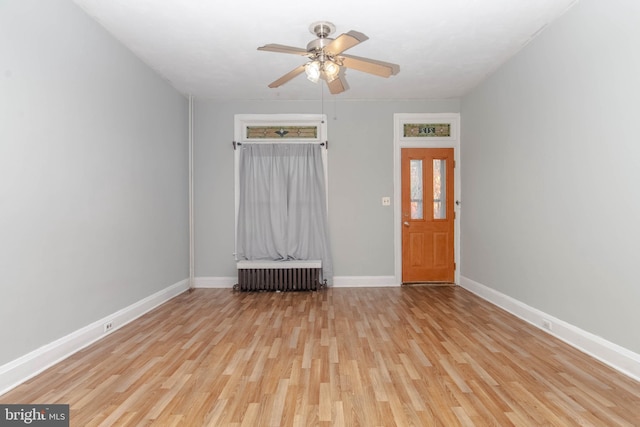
point(208, 48)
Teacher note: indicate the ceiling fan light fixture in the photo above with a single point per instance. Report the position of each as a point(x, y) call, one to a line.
point(330, 70)
point(326, 59)
point(313, 69)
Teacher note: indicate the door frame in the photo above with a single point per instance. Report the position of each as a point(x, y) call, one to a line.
point(401, 141)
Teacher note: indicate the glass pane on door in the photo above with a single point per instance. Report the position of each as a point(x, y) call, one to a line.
point(417, 206)
point(439, 189)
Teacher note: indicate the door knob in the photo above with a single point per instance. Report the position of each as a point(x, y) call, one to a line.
point(406, 223)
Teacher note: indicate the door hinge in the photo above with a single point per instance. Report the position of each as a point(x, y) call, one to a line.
point(455, 266)
point(454, 164)
point(454, 215)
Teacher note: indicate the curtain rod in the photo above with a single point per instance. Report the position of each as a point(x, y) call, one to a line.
point(322, 144)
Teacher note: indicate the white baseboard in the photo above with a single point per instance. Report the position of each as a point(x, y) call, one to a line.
point(20, 370)
point(215, 282)
point(617, 357)
point(364, 281)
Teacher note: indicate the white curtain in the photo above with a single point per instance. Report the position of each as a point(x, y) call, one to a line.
point(282, 212)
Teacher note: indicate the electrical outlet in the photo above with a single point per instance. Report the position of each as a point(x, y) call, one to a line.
point(108, 326)
point(546, 323)
point(386, 201)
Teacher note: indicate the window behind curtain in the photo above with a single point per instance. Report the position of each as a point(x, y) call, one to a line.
point(282, 212)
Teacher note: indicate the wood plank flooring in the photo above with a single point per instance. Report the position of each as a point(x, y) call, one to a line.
point(421, 356)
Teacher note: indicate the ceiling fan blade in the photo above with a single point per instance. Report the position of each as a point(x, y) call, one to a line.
point(371, 66)
point(290, 75)
point(336, 86)
point(280, 48)
point(344, 42)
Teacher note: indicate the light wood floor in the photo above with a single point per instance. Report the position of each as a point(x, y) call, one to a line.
point(423, 356)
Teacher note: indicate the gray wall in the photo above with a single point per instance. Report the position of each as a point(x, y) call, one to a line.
point(93, 176)
point(550, 155)
point(360, 161)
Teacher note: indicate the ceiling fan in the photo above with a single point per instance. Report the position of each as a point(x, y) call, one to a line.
point(326, 58)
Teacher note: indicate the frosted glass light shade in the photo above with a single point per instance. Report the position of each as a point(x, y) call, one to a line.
point(312, 69)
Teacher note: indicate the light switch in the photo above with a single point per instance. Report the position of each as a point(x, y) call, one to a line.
point(386, 201)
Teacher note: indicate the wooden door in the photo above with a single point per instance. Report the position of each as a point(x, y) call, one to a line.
point(427, 215)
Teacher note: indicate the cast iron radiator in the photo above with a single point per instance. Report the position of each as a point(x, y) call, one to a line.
point(279, 276)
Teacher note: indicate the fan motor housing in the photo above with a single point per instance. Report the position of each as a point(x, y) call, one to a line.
point(318, 44)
